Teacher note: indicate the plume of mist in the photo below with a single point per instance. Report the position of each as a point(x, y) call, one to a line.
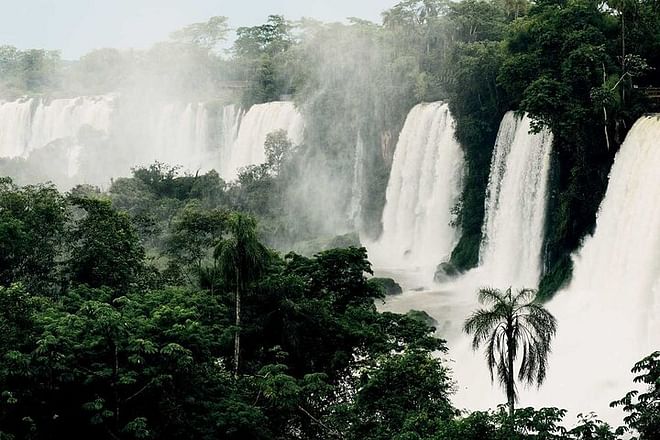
point(350, 85)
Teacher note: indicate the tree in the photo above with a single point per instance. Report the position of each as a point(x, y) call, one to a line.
point(28, 71)
point(477, 20)
point(277, 148)
point(644, 408)
point(412, 13)
point(32, 223)
point(195, 232)
point(403, 396)
point(271, 38)
point(206, 34)
point(514, 325)
point(260, 51)
point(241, 259)
point(105, 248)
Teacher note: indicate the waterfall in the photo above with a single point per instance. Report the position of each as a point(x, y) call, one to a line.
point(175, 133)
point(29, 124)
point(15, 122)
point(256, 124)
point(609, 316)
point(516, 197)
point(230, 122)
point(179, 136)
point(424, 186)
point(355, 209)
point(140, 133)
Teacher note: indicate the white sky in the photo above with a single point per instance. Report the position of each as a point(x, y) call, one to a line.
point(77, 26)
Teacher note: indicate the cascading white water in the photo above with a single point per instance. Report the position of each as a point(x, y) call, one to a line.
point(510, 253)
point(256, 124)
point(179, 136)
point(355, 208)
point(512, 242)
point(169, 132)
point(424, 187)
point(230, 123)
point(32, 123)
point(609, 316)
point(15, 123)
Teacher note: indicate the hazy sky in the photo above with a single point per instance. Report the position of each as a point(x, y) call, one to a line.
point(77, 26)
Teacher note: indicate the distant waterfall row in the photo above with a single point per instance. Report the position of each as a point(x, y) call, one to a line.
point(32, 123)
point(29, 124)
point(184, 134)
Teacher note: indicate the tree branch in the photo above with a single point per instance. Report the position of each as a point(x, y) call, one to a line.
point(140, 391)
point(321, 424)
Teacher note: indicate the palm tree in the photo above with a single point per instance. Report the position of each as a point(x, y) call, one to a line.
point(241, 260)
point(513, 325)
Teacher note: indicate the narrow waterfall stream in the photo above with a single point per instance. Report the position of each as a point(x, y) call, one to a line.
point(516, 201)
point(424, 187)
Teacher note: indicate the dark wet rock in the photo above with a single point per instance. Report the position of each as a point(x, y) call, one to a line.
point(389, 286)
point(422, 316)
point(445, 272)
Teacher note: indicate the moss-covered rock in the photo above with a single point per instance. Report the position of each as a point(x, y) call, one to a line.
point(389, 286)
point(422, 316)
point(445, 272)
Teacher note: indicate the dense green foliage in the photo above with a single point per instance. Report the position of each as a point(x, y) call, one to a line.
point(114, 347)
point(115, 350)
point(643, 407)
point(32, 224)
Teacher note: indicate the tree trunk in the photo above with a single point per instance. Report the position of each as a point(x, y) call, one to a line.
point(237, 334)
point(607, 136)
point(115, 383)
point(623, 52)
point(510, 383)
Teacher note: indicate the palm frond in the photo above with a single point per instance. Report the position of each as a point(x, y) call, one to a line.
point(480, 324)
point(489, 295)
